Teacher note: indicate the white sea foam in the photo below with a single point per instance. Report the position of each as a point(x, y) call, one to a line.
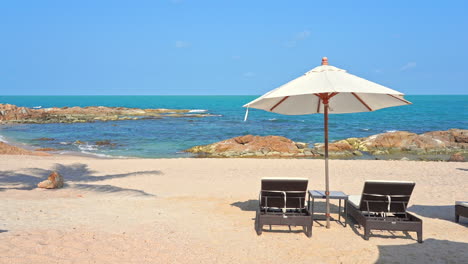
point(97, 154)
point(65, 143)
point(87, 147)
point(390, 131)
point(272, 119)
point(37, 107)
point(2, 139)
point(100, 155)
point(198, 111)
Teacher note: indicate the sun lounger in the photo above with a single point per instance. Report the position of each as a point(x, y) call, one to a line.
point(461, 209)
point(282, 202)
point(382, 206)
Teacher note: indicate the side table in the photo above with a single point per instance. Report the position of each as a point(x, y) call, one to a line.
point(316, 194)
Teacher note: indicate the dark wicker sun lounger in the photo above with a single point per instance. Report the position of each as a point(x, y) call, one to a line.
point(461, 209)
point(382, 206)
point(282, 202)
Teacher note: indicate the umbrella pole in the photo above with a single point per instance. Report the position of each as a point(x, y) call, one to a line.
point(327, 189)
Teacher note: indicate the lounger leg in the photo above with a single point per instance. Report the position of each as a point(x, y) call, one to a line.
point(457, 218)
point(420, 240)
point(366, 233)
point(258, 224)
point(346, 213)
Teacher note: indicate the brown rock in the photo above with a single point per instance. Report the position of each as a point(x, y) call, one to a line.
point(44, 139)
point(46, 149)
point(54, 181)
point(399, 139)
point(105, 143)
point(249, 145)
point(457, 157)
point(341, 145)
point(6, 149)
point(435, 141)
point(244, 139)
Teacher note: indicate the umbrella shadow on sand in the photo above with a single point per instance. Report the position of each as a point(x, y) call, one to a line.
point(76, 176)
point(431, 251)
point(442, 212)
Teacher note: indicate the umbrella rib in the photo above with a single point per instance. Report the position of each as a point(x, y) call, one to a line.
point(318, 105)
point(282, 100)
point(362, 101)
point(403, 100)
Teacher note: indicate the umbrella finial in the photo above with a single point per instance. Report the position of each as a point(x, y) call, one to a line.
point(324, 61)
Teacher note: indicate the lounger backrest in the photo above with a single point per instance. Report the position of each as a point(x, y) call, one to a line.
point(377, 195)
point(273, 192)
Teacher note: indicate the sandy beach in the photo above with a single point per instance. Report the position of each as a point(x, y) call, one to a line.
point(202, 211)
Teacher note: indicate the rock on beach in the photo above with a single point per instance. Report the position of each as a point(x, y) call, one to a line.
point(54, 181)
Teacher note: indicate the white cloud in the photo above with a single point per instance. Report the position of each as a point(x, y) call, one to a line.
point(408, 66)
point(297, 38)
point(303, 35)
point(249, 74)
point(182, 44)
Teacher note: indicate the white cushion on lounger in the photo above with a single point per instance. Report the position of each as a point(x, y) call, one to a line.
point(354, 200)
point(465, 204)
point(283, 178)
point(390, 181)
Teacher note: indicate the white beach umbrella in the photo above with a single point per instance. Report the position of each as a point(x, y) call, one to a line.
point(327, 89)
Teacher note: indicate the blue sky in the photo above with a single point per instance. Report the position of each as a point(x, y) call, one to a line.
point(183, 47)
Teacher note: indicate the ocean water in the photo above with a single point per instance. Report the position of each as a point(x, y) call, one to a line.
point(168, 137)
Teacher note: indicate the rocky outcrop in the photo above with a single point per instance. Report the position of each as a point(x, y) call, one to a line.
point(436, 142)
point(6, 149)
point(391, 143)
point(14, 114)
point(54, 181)
point(252, 146)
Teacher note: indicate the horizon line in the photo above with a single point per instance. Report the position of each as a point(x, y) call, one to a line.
point(175, 94)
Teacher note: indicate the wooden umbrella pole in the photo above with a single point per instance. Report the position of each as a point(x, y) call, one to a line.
point(327, 188)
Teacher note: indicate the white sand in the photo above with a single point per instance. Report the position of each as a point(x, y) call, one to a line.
point(202, 211)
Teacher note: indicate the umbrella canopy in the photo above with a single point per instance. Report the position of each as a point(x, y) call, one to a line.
point(327, 89)
point(351, 94)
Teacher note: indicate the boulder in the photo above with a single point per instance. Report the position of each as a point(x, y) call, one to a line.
point(249, 145)
point(452, 140)
point(54, 181)
point(105, 143)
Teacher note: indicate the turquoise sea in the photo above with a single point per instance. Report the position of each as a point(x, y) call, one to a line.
point(168, 137)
